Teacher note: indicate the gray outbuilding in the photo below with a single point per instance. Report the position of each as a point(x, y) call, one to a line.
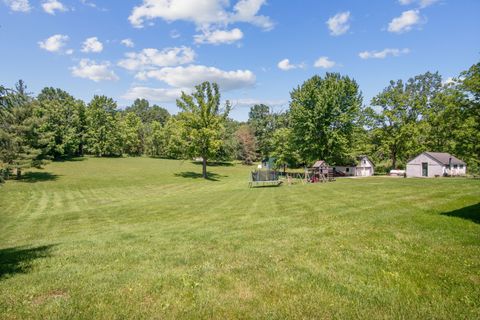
point(435, 164)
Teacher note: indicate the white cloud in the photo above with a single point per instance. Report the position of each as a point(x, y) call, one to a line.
point(324, 62)
point(154, 94)
point(405, 22)
point(92, 45)
point(150, 58)
point(188, 77)
point(203, 13)
point(55, 43)
point(88, 4)
point(89, 69)
point(18, 5)
point(219, 36)
point(338, 24)
point(421, 3)
point(383, 54)
point(285, 65)
point(50, 6)
point(174, 34)
point(251, 102)
point(128, 43)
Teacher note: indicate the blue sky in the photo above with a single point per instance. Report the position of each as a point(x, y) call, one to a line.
point(156, 48)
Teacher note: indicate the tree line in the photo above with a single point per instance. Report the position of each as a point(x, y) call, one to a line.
point(326, 119)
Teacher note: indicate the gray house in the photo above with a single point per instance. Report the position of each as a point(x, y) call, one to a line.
point(431, 164)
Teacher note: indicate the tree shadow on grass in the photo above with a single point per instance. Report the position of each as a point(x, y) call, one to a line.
point(471, 213)
point(215, 163)
point(70, 159)
point(32, 177)
point(19, 259)
point(196, 175)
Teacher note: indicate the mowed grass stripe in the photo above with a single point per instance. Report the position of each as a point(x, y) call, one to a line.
point(133, 238)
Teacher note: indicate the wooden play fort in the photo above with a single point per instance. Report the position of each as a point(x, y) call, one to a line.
point(319, 172)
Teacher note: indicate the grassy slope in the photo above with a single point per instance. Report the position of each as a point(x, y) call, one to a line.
point(123, 238)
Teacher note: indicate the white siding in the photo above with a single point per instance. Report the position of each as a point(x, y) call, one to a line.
point(343, 169)
point(414, 167)
point(364, 167)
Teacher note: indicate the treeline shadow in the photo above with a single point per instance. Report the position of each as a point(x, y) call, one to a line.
point(32, 177)
point(70, 159)
point(471, 213)
point(196, 175)
point(19, 259)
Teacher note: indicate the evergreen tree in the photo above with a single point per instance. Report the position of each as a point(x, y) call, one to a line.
point(20, 141)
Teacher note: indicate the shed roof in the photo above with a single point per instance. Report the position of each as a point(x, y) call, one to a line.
point(320, 163)
point(444, 158)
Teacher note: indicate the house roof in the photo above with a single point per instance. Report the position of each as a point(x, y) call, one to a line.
point(320, 163)
point(444, 158)
point(365, 156)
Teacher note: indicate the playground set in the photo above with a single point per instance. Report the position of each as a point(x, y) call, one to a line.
point(320, 172)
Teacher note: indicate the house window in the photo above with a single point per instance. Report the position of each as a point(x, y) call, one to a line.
point(347, 170)
point(455, 166)
point(364, 161)
point(461, 166)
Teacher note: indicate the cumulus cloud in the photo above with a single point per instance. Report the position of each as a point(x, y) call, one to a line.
point(324, 62)
point(150, 58)
point(405, 22)
point(92, 70)
point(338, 24)
point(420, 3)
point(219, 36)
point(55, 43)
point(285, 65)
point(189, 76)
point(18, 5)
point(128, 43)
point(174, 34)
point(92, 45)
point(203, 13)
point(383, 54)
point(251, 102)
point(50, 6)
point(154, 94)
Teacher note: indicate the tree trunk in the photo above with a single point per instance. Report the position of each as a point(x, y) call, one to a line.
point(19, 173)
point(204, 167)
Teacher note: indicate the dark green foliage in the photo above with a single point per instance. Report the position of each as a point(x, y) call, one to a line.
point(323, 115)
point(63, 122)
point(103, 137)
point(147, 113)
point(21, 141)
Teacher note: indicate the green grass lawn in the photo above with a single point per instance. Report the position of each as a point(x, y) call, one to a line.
point(148, 238)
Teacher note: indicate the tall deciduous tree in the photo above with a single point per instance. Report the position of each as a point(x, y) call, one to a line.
point(63, 122)
point(132, 134)
point(147, 113)
point(405, 123)
point(204, 121)
point(103, 135)
point(323, 115)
